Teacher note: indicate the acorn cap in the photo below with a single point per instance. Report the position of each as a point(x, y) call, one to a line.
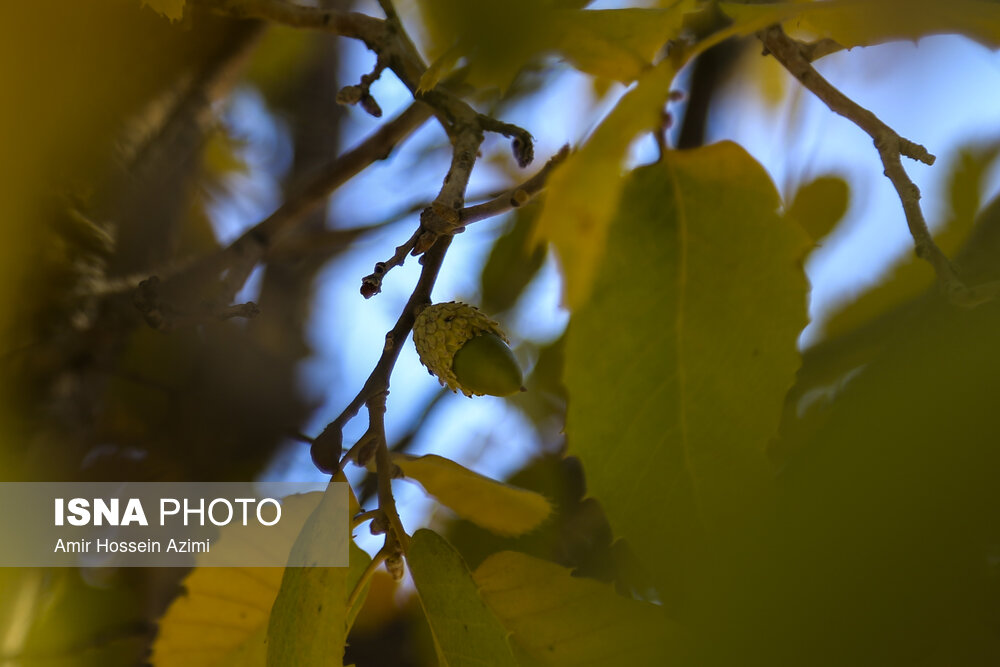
point(441, 330)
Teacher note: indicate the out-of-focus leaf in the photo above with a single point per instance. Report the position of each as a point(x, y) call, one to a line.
point(558, 619)
point(466, 631)
point(310, 617)
point(498, 507)
point(772, 79)
point(965, 188)
point(281, 53)
point(910, 275)
point(544, 403)
point(499, 37)
point(56, 617)
point(577, 536)
point(172, 9)
point(222, 618)
point(887, 528)
point(820, 204)
point(671, 408)
point(618, 44)
point(512, 263)
point(865, 22)
point(583, 192)
point(221, 155)
point(234, 603)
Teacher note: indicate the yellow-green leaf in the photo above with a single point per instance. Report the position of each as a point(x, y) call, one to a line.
point(617, 44)
point(172, 9)
point(866, 22)
point(513, 263)
point(501, 508)
point(222, 618)
point(582, 193)
point(820, 204)
point(465, 631)
point(558, 619)
point(223, 613)
point(438, 69)
point(309, 619)
point(703, 282)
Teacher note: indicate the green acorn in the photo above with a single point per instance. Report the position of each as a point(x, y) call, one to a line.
point(466, 350)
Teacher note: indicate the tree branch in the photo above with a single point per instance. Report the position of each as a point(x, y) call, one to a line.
point(346, 24)
point(515, 197)
point(378, 380)
point(795, 57)
point(239, 258)
point(438, 222)
point(510, 199)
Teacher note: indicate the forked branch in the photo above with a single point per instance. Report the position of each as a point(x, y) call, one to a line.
point(796, 58)
point(439, 221)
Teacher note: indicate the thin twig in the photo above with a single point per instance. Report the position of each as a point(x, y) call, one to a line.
point(346, 24)
point(515, 197)
point(244, 253)
point(386, 471)
point(465, 128)
point(362, 517)
point(369, 484)
point(239, 257)
point(321, 243)
point(378, 380)
point(441, 218)
point(389, 41)
point(389, 10)
point(891, 147)
point(510, 199)
point(372, 283)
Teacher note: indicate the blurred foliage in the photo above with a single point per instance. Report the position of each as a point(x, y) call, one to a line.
point(718, 497)
point(582, 195)
point(910, 276)
point(819, 205)
point(557, 619)
point(512, 263)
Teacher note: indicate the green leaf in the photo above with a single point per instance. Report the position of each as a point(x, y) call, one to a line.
point(865, 22)
point(465, 631)
point(309, 619)
point(820, 204)
point(888, 509)
point(671, 408)
point(172, 9)
point(498, 507)
point(582, 194)
point(558, 619)
point(222, 619)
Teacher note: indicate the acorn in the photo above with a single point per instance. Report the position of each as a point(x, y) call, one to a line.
point(466, 350)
